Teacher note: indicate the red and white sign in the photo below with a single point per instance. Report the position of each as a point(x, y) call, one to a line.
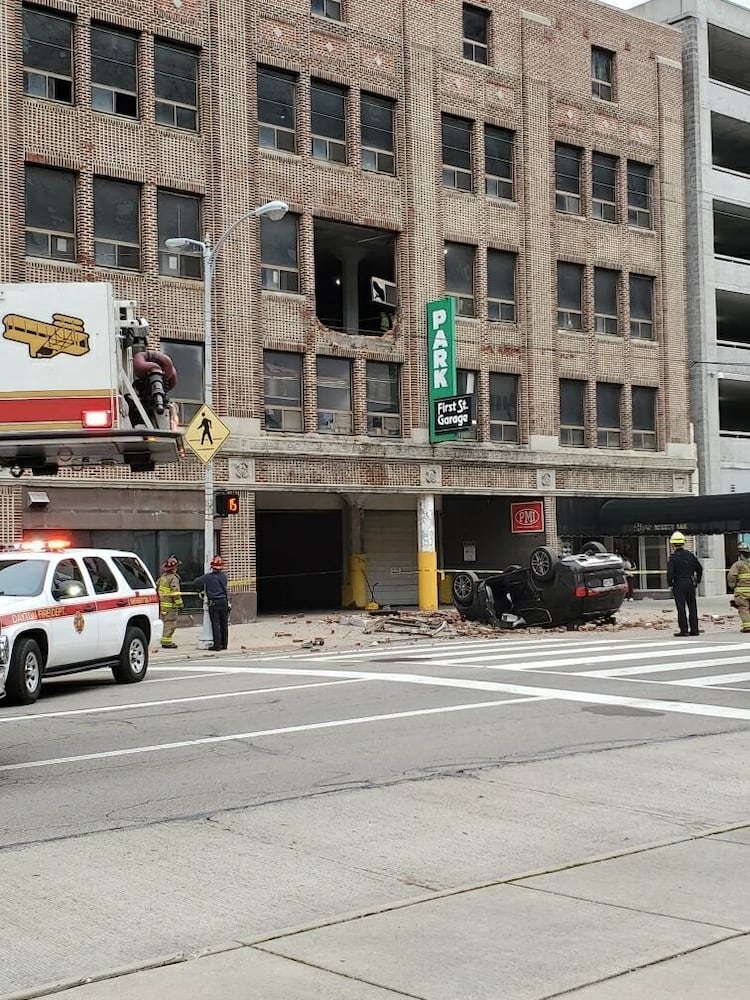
point(527, 517)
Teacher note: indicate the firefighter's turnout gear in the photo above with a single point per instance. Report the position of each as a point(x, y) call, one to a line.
point(170, 601)
point(738, 579)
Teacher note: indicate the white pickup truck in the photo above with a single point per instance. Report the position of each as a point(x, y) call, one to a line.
point(64, 610)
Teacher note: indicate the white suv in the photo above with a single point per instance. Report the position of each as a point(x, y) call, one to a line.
point(62, 611)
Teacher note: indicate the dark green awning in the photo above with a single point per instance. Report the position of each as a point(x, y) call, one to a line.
point(696, 515)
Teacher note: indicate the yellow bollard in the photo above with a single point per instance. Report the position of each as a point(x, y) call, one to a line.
point(427, 586)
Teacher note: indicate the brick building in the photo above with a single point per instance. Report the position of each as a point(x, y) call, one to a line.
point(528, 163)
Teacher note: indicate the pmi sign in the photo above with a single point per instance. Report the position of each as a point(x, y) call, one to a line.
point(441, 362)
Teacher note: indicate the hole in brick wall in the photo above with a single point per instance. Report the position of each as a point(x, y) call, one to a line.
point(347, 258)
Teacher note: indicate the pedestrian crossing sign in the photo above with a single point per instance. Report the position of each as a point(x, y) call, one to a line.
point(206, 433)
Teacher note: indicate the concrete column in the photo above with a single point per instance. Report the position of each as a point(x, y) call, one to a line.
point(427, 589)
point(350, 278)
point(356, 594)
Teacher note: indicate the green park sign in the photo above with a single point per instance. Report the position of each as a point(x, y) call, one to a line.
point(441, 359)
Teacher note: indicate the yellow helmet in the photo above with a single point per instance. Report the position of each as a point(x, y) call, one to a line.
point(677, 538)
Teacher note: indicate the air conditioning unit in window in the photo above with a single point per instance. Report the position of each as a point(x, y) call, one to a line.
point(384, 292)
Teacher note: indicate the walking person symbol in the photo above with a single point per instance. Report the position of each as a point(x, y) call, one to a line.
point(205, 428)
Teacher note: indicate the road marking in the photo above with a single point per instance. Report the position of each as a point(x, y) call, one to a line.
point(576, 661)
point(30, 717)
point(258, 734)
point(655, 668)
point(712, 681)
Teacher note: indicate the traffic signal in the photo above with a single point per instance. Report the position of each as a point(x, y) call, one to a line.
point(227, 504)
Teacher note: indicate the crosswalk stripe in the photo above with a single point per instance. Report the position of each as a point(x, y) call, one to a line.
point(574, 661)
point(712, 681)
point(655, 668)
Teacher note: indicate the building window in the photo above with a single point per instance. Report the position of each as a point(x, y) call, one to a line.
point(644, 418)
point(498, 162)
point(457, 152)
point(47, 55)
point(277, 119)
point(282, 391)
point(504, 408)
point(501, 286)
point(602, 73)
point(640, 181)
point(604, 187)
point(383, 399)
point(178, 215)
point(117, 240)
point(606, 310)
point(176, 86)
point(608, 433)
point(327, 8)
point(334, 395)
point(476, 34)
point(572, 413)
point(467, 383)
point(376, 116)
point(328, 122)
point(569, 296)
point(279, 270)
point(114, 72)
point(567, 179)
point(641, 307)
point(50, 213)
point(459, 276)
point(189, 392)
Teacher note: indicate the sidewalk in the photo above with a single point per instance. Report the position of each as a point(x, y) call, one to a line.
point(347, 629)
point(623, 927)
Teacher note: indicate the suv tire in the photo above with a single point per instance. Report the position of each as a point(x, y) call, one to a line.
point(464, 594)
point(543, 564)
point(24, 681)
point(133, 662)
point(594, 548)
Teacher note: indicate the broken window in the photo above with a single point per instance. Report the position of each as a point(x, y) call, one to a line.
point(504, 408)
point(608, 434)
point(572, 413)
point(383, 399)
point(328, 107)
point(282, 391)
point(644, 418)
point(50, 213)
point(501, 286)
point(606, 283)
point(376, 114)
point(459, 276)
point(334, 395)
point(279, 270)
point(456, 133)
point(347, 259)
point(569, 296)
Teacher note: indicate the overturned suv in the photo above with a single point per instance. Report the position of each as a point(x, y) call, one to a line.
point(63, 610)
point(552, 590)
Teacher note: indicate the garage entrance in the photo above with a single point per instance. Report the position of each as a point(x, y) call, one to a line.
point(390, 545)
point(300, 559)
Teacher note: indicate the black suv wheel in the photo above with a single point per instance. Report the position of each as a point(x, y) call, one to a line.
point(464, 594)
point(543, 563)
point(24, 681)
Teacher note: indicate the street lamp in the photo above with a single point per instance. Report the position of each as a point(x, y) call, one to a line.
point(273, 210)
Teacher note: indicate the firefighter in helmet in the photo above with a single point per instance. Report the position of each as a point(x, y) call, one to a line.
point(738, 579)
point(684, 573)
point(170, 601)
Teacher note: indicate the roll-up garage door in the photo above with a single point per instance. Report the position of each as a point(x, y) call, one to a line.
point(390, 544)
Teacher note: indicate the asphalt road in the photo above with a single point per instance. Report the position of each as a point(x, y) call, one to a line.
point(241, 796)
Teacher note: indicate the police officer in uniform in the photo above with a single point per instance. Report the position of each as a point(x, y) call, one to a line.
point(738, 579)
point(216, 589)
point(170, 601)
point(684, 573)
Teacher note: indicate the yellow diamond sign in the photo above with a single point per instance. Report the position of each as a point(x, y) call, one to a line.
point(206, 433)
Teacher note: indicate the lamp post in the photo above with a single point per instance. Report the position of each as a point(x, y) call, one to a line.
point(273, 210)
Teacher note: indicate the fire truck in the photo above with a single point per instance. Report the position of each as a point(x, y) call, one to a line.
point(79, 384)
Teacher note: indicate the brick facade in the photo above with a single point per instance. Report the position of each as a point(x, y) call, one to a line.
point(537, 84)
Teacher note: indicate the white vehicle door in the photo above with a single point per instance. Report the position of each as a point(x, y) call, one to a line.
point(72, 626)
point(112, 604)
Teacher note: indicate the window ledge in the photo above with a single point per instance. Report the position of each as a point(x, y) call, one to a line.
point(501, 201)
point(345, 168)
point(49, 102)
point(280, 154)
point(612, 105)
point(641, 230)
point(611, 337)
point(571, 215)
point(133, 122)
point(273, 293)
point(67, 265)
point(331, 22)
point(473, 62)
point(644, 340)
point(169, 129)
point(508, 323)
point(572, 333)
point(180, 281)
point(458, 192)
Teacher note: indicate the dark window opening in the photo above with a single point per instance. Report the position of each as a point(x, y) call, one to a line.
point(604, 187)
point(456, 136)
point(569, 296)
point(334, 385)
point(504, 408)
point(501, 286)
point(602, 73)
point(188, 394)
point(732, 318)
point(640, 184)
point(376, 115)
point(282, 391)
point(459, 276)
point(117, 239)
point(114, 72)
point(328, 109)
point(347, 259)
point(50, 213)
point(498, 162)
point(178, 215)
point(276, 109)
point(572, 413)
point(732, 230)
point(644, 418)
point(476, 24)
point(568, 179)
point(279, 270)
point(729, 57)
point(641, 306)
point(608, 433)
point(383, 399)
point(606, 287)
point(176, 86)
point(734, 407)
point(47, 55)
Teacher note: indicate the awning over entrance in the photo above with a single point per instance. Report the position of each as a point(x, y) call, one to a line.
point(695, 515)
